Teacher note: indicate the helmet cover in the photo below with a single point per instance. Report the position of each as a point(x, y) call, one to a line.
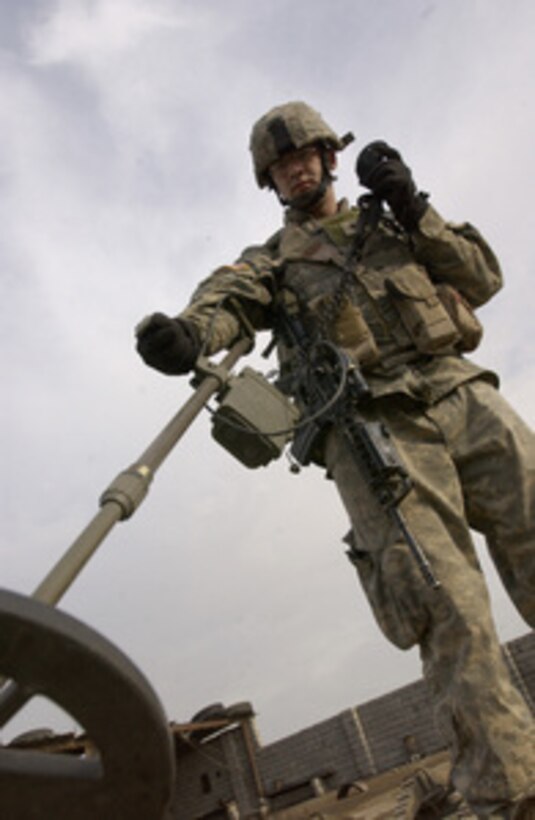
point(285, 128)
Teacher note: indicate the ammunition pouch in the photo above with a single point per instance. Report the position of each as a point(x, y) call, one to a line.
point(463, 317)
point(436, 317)
point(422, 312)
point(352, 333)
point(348, 329)
point(254, 420)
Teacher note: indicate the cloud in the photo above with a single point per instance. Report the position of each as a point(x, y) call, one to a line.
point(89, 33)
point(125, 178)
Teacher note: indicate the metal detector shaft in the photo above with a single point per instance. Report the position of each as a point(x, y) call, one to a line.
point(121, 499)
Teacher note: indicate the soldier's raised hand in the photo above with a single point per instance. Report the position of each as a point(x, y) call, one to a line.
point(381, 169)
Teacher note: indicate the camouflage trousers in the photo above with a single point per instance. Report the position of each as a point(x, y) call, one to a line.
point(472, 461)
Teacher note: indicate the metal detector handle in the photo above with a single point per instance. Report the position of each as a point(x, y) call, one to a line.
point(122, 498)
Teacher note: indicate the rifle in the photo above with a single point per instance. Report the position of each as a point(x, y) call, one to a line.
point(330, 388)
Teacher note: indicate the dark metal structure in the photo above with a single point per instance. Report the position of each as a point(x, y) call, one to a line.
point(130, 776)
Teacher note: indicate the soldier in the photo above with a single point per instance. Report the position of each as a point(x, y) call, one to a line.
point(394, 285)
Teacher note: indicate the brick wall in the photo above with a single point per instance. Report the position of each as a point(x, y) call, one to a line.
point(374, 737)
point(203, 780)
point(399, 725)
point(330, 751)
point(521, 656)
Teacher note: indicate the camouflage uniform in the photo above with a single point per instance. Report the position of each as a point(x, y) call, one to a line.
point(472, 460)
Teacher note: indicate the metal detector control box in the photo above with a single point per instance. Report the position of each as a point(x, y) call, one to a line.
point(254, 420)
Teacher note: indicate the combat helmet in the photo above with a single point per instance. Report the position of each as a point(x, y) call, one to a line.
point(286, 128)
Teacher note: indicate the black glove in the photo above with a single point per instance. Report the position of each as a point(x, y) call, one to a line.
point(381, 169)
point(169, 345)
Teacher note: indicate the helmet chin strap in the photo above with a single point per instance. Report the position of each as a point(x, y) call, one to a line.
point(306, 201)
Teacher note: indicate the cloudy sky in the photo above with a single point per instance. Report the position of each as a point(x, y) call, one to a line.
point(125, 178)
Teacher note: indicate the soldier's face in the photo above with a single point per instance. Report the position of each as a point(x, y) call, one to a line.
point(297, 173)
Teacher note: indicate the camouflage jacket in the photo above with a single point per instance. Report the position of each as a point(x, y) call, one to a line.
point(403, 306)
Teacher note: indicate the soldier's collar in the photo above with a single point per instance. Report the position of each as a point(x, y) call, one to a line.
point(294, 217)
